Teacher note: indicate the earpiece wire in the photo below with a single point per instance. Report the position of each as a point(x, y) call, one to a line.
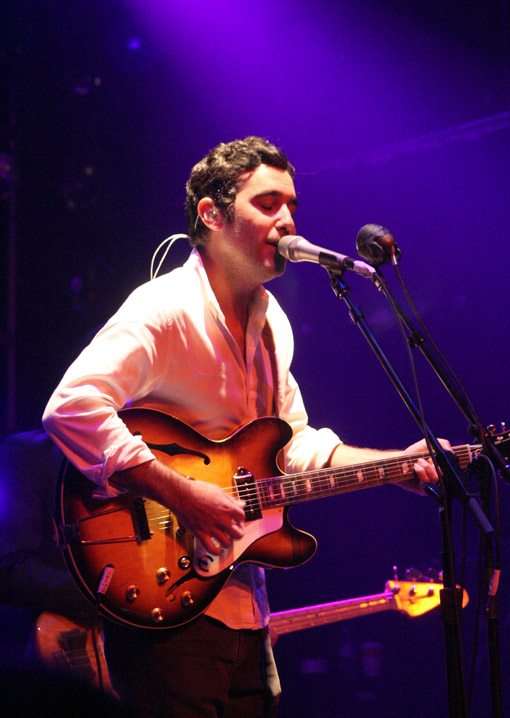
point(169, 240)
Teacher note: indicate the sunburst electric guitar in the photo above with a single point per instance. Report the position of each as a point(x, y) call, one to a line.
point(153, 573)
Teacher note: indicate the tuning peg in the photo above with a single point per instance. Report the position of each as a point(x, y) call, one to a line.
point(431, 575)
point(395, 573)
point(493, 429)
point(413, 574)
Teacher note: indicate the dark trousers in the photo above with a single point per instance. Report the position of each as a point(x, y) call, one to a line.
point(201, 669)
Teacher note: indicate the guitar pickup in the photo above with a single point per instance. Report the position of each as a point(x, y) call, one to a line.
point(247, 491)
point(140, 521)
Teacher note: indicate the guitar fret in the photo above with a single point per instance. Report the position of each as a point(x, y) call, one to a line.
point(405, 468)
point(272, 492)
point(288, 488)
point(285, 490)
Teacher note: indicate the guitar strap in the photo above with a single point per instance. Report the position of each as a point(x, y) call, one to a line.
point(268, 339)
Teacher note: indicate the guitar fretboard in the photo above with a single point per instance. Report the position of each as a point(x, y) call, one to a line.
point(295, 488)
point(311, 616)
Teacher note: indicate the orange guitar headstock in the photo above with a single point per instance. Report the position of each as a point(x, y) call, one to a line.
point(417, 597)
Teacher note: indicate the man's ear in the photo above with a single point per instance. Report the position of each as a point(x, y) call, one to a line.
point(210, 215)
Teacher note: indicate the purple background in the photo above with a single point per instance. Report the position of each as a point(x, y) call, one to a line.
point(394, 113)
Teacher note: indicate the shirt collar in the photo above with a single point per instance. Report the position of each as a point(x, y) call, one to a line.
point(259, 301)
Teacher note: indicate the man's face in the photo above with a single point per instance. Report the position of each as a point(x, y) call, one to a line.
point(263, 213)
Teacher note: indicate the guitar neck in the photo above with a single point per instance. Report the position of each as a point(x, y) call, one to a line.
point(322, 614)
point(289, 489)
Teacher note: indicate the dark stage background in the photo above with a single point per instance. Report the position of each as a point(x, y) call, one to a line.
point(393, 113)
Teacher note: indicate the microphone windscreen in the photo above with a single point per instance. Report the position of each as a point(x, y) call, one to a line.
point(376, 245)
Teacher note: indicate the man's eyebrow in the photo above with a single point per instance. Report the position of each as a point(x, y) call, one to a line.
point(276, 193)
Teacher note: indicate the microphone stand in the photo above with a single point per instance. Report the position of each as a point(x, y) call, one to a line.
point(454, 486)
point(416, 340)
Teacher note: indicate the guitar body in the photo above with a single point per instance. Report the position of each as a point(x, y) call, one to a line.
point(159, 576)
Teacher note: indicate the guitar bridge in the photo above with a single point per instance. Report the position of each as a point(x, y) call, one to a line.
point(247, 491)
point(140, 521)
point(71, 533)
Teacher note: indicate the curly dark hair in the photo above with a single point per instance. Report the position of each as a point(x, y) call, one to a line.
point(217, 176)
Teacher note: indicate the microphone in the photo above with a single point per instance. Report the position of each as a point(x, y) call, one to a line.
point(299, 249)
point(377, 245)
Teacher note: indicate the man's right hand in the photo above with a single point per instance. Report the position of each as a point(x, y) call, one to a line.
point(214, 516)
point(211, 515)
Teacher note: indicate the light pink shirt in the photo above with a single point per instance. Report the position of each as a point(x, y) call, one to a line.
point(168, 348)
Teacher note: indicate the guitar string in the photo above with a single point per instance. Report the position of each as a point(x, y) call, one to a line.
point(323, 482)
point(322, 615)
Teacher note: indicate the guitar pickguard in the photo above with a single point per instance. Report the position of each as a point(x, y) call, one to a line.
point(207, 564)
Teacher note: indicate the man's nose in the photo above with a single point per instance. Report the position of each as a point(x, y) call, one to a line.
point(285, 221)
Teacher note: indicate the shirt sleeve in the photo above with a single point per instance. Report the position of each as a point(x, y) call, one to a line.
point(122, 364)
point(309, 448)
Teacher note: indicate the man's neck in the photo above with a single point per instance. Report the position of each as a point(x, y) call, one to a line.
point(233, 297)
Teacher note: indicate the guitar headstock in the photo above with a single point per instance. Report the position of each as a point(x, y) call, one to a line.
point(417, 597)
point(500, 438)
point(496, 444)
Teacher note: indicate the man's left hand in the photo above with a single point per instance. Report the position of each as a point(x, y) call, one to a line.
point(424, 471)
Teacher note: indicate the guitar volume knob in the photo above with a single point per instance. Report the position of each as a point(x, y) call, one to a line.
point(162, 575)
point(132, 593)
point(187, 599)
point(157, 615)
